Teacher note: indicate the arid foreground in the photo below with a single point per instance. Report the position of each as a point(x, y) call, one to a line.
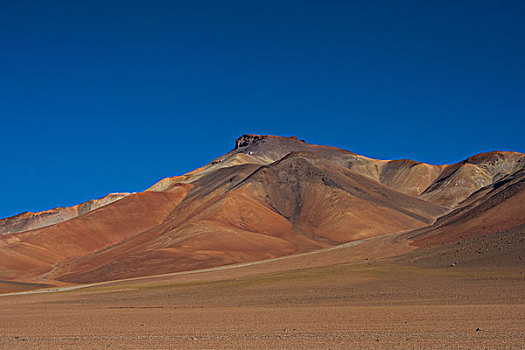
point(316, 300)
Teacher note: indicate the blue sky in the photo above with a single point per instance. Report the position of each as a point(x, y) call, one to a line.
point(106, 96)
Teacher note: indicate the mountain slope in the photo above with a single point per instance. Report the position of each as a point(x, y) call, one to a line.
point(294, 205)
point(30, 221)
point(444, 185)
point(33, 253)
point(457, 182)
point(269, 197)
point(497, 207)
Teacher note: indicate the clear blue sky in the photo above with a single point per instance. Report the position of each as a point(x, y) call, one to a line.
point(105, 96)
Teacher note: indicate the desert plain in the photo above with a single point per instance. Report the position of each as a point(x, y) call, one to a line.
point(315, 300)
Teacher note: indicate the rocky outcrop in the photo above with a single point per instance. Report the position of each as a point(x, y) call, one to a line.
point(247, 140)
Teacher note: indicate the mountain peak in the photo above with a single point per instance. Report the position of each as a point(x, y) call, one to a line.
point(251, 139)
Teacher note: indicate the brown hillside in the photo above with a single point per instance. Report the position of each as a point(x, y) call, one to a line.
point(271, 197)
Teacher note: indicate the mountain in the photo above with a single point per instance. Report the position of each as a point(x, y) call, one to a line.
point(269, 197)
point(29, 221)
point(494, 208)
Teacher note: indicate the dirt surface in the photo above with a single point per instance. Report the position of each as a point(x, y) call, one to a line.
point(378, 305)
point(504, 250)
point(16, 287)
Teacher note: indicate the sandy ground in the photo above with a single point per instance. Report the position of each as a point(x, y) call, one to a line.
point(372, 305)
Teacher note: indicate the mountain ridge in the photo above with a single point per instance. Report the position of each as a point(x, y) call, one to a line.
point(32, 220)
point(270, 196)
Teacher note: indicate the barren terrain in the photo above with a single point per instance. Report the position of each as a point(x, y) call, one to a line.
point(325, 299)
point(278, 244)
